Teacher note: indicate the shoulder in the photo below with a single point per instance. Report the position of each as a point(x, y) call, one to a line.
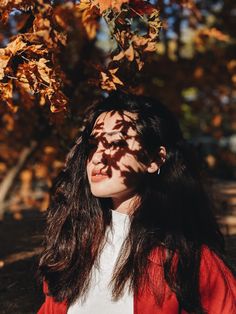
point(50, 306)
point(212, 266)
point(217, 284)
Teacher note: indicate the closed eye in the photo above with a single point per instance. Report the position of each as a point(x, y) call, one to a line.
point(118, 144)
point(93, 144)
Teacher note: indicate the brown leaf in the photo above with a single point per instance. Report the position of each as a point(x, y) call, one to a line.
point(60, 37)
point(6, 91)
point(16, 45)
point(107, 4)
point(4, 59)
point(109, 80)
point(151, 46)
point(141, 7)
point(38, 49)
point(44, 70)
point(118, 4)
point(26, 74)
point(119, 56)
point(9, 122)
point(21, 20)
point(203, 35)
point(129, 53)
point(140, 40)
point(140, 63)
point(58, 101)
point(62, 15)
point(90, 23)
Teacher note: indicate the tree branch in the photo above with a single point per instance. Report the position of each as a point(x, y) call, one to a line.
point(9, 179)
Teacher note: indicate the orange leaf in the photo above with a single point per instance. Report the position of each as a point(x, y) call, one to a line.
point(113, 71)
point(139, 40)
point(3, 63)
point(129, 53)
point(6, 91)
point(16, 45)
point(44, 70)
point(119, 56)
point(103, 4)
point(151, 46)
point(58, 101)
point(9, 122)
point(109, 80)
point(107, 4)
point(116, 80)
point(90, 23)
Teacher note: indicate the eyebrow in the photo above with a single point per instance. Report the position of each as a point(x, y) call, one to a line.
point(115, 132)
point(111, 133)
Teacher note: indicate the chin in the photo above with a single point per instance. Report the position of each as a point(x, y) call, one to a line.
point(100, 192)
point(105, 191)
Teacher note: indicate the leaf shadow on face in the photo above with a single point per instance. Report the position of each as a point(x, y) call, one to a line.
point(111, 157)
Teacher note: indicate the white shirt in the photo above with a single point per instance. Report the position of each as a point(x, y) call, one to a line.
point(99, 300)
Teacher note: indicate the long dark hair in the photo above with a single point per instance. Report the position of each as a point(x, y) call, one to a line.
point(174, 215)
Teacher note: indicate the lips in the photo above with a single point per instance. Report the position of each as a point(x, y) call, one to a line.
point(98, 175)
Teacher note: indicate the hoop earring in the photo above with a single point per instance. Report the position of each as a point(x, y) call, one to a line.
point(159, 170)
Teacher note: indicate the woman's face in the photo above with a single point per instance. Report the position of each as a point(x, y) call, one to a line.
point(114, 165)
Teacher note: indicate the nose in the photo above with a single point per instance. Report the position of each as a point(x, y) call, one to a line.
point(100, 156)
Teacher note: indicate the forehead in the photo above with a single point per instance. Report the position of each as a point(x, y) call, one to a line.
point(114, 122)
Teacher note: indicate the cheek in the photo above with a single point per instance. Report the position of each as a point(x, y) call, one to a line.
point(129, 163)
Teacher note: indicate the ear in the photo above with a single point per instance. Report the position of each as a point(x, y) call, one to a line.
point(153, 167)
point(156, 164)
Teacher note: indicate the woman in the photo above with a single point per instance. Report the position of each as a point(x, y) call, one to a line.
point(130, 227)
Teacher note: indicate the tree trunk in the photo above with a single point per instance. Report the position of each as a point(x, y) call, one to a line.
point(9, 179)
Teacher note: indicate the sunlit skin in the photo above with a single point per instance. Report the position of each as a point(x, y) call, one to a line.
point(114, 164)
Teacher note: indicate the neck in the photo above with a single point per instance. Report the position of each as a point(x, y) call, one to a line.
point(125, 206)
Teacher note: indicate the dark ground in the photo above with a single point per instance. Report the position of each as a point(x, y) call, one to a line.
point(19, 246)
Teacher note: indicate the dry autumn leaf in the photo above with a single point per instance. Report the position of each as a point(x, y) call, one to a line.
point(151, 46)
point(109, 80)
point(3, 63)
point(44, 70)
point(119, 56)
point(16, 45)
point(6, 94)
point(90, 23)
point(134, 47)
point(58, 101)
point(210, 33)
point(9, 122)
point(141, 7)
point(129, 53)
point(107, 4)
point(38, 69)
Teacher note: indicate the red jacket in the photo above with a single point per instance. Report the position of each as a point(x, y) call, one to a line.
point(217, 290)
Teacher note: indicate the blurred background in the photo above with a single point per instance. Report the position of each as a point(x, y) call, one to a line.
point(59, 57)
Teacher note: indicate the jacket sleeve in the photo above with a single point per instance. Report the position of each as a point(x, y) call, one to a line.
point(50, 306)
point(217, 285)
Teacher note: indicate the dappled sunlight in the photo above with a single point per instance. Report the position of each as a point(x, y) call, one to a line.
point(115, 150)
